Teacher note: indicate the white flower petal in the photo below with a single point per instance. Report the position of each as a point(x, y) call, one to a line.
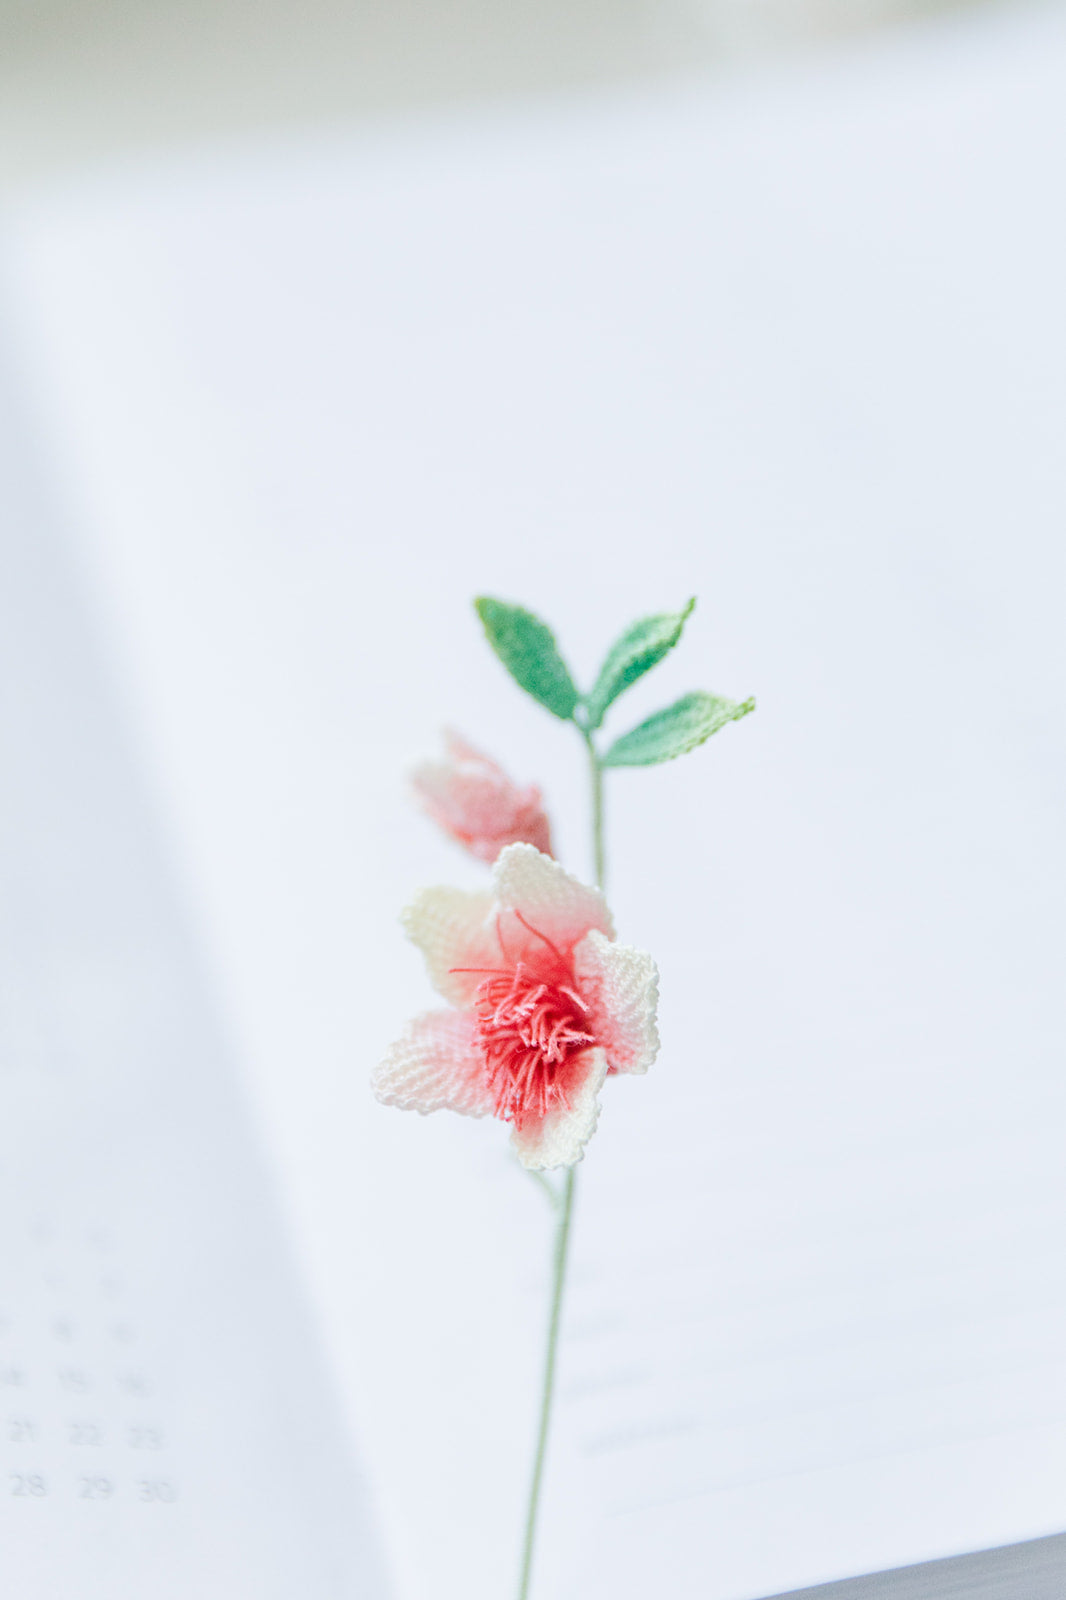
point(435, 1066)
point(453, 928)
point(559, 1139)
point(557, 905)
point(621, 987)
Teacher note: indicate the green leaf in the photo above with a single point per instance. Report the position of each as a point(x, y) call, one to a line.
point(640, 648)
point(681, 727)
point(527, 648)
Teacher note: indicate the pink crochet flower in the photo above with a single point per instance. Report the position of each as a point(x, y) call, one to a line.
point(474, 801)
point(545, 1006)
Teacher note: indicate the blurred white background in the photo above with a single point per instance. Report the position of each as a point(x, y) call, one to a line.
point(81, 78)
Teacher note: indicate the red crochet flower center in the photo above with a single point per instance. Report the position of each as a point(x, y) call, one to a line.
point(533, 1024)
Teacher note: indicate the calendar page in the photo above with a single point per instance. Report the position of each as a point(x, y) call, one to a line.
point(794, 346)
point(167, 1427)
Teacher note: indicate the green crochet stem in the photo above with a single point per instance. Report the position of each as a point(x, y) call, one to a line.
point(596, 772)
point(562, 1240)
point(565, 1211)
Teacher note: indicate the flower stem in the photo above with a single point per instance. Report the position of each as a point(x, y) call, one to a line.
point(562, 1237)
point(562, 1241)
point(555, 1199)
point(598, 851)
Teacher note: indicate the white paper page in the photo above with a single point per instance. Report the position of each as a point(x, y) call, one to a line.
point(166, 1428)
point(796, 347)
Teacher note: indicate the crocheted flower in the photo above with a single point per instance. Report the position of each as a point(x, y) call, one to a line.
point(545, 1006)
point(477, 804)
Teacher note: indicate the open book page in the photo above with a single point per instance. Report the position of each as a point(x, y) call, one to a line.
point(795, 347)
point(166, 1428)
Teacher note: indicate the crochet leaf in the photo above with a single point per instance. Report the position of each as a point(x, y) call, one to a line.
point(527, 648)
point(641, 647)
point(681, 727)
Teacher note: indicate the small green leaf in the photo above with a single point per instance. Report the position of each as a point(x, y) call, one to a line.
point(681, 727)
point(640, 648)
point(527, 648)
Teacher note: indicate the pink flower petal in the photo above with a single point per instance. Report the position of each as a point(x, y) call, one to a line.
point(435, 1066)
point(473, 800)
point(620, 986)
point(460, 749)
point(548, 898)
point(548, 1005)
point(454, 928)
point(559, 1139)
